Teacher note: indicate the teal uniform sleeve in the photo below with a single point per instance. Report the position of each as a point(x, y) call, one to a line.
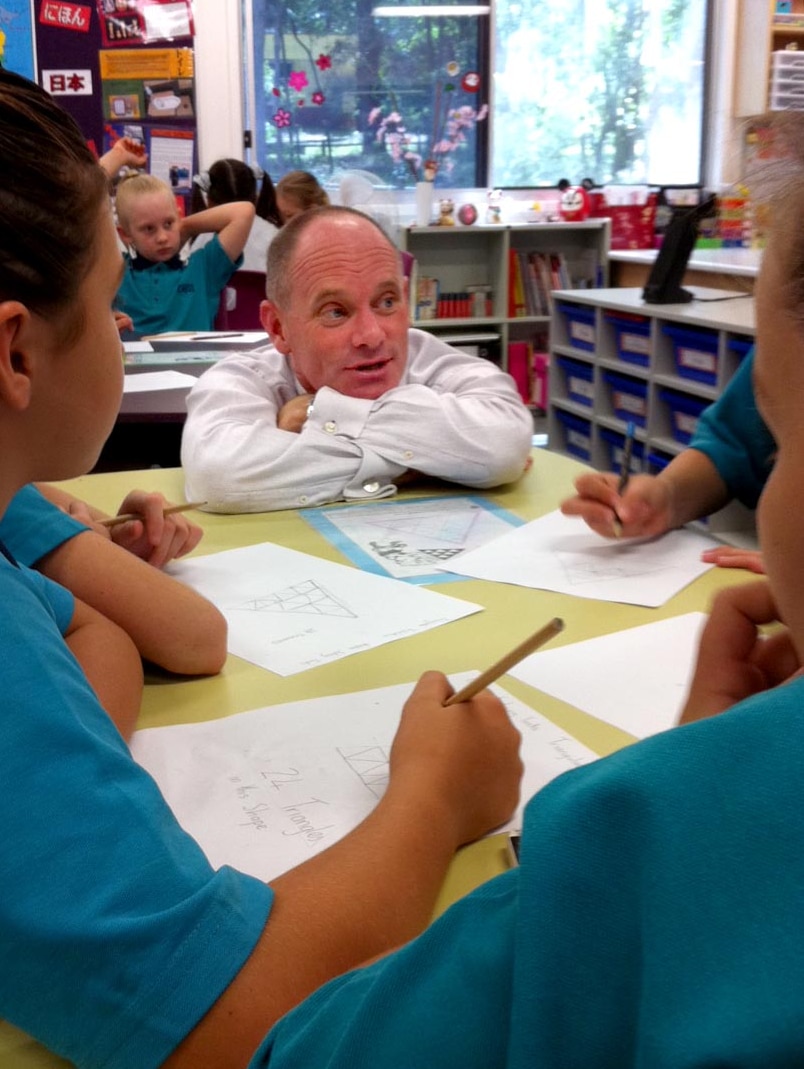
point(116, 934)
point(733, 435)
point(32, 526)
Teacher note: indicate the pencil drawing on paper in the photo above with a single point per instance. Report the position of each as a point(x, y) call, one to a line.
point(306, 598)
point(370, 765)
point(589, 567)
point(429, 524)
point(405, 556)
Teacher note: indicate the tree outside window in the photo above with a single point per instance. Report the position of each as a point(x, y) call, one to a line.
point(607, 89)
point(341, 88)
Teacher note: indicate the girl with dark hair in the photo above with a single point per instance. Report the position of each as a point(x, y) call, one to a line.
point(230, 180)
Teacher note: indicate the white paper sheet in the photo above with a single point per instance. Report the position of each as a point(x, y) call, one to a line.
point(268, 789)
point(636, 680)
point(289, 611)
point(147, 381)
point(560, 553)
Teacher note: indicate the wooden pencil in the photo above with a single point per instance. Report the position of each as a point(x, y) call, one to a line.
point(126, 517)
point(530, 645)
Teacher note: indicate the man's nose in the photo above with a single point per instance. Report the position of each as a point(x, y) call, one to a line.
point(366, 328)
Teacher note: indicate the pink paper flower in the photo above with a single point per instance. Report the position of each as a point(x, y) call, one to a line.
point(282, 118)
point(298, 81)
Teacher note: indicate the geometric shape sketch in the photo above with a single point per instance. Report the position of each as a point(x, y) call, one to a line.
point(406, 556)
point(302, 598)
point(369, 764)
point(429, 524)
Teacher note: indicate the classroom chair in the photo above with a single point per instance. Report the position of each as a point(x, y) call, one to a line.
point(239, 307)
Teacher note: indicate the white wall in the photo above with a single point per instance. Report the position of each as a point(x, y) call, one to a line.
point(219, 65)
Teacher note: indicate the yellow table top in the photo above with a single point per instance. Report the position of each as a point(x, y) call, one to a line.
point(473, 643)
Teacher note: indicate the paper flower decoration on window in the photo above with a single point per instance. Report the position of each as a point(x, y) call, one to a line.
point(298, 81)
point(451, 122)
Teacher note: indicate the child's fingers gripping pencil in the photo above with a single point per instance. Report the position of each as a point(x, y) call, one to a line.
point(519, 653)
point(625, 471)
point(126, 517)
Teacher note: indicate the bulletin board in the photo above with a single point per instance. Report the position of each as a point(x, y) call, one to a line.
point(119, 67)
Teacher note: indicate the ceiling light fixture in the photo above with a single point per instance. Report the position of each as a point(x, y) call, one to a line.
point(420, 11)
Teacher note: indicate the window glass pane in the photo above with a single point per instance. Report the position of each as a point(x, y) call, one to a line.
point(612, 90)
point(342, 86)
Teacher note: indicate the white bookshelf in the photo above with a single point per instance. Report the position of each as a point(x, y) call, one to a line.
point(461, 257)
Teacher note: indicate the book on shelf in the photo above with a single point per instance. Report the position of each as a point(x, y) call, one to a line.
point(517, 306)
point(520, 368)
point(427, 297)
point(536, 275)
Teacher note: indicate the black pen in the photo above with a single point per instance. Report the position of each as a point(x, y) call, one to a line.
point(625, 471)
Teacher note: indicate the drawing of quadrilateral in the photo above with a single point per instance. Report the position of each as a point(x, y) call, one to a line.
point(307, 598)
point(370, 765)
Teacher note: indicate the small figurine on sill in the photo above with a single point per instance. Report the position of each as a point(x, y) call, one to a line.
point(430, 168)
point(446, 212)
point(494, 206)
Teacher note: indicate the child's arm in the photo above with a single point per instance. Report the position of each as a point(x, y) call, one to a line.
point(156, 538)
point(454, 775)
point(127, 152)
point(170, 624)
point(110, 662)
point(231, 222)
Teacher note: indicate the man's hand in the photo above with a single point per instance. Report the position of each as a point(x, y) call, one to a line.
point(735, 660)
point(293, 415)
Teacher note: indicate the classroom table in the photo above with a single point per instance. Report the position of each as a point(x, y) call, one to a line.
point(470, 644)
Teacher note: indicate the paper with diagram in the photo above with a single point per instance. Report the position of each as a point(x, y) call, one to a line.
point(636, 679)
point(289, 611)
point(268, 789)
point(561, 553)
point(412, 539)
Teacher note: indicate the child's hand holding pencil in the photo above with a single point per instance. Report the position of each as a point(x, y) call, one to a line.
point(147, 525)
point(621, 504)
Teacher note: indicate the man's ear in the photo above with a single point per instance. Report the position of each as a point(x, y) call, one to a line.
point(271, 319)
point(15, 363)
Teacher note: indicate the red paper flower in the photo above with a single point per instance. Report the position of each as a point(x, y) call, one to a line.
point(318, 98)
point(276, 92)
point(323, 62)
